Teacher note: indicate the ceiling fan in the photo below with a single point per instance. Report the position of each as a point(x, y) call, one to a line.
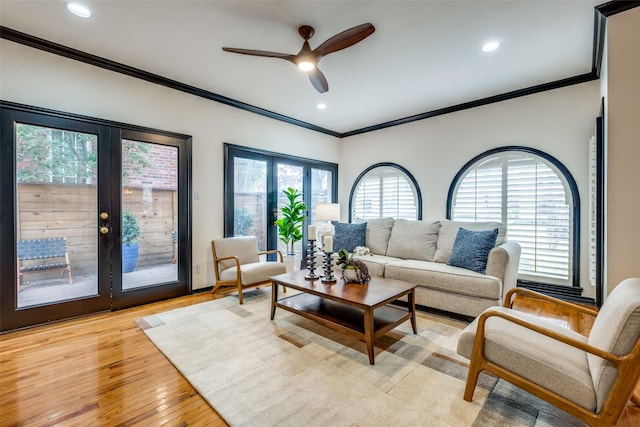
point(307, 59)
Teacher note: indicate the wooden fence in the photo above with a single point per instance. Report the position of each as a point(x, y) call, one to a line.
point(69, 210)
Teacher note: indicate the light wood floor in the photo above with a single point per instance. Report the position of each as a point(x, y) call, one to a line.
point(102, 370)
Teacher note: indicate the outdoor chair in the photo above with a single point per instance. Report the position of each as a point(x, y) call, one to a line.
point(46, 254)
point(236, 262)
point(592, 378)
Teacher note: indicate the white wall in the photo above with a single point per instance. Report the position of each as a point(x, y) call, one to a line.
point(558, 122)
point(37, 78)
point(622, 93)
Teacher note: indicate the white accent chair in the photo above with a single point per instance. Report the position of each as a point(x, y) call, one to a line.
point(236, 261)
point(592, 378)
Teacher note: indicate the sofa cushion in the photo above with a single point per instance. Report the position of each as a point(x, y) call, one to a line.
point(348, 236)
point(445, 278)
point(377, 234)
point(411, 239)
point(376, 263)
point(550, 363)
point(449, 231)
point(471, 249)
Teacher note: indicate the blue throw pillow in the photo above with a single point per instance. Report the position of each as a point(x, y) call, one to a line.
point(471, 249)
point(348, 236)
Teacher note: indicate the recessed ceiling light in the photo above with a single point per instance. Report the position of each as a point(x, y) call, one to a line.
point(321, 106)
point(79, 10)
point(491, 46)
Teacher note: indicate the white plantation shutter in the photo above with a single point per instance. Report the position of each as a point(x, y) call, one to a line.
point(593, 188)
point(526, 193)
point(384, 192)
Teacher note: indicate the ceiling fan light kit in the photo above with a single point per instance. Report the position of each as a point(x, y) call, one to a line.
point(307, 59)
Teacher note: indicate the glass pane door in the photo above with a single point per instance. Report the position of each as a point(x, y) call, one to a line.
point(54, 264)
point(74, 193)
point(250, 199)
point(149, 214)
point(321, 190)
point(56, 193)
point(288, 176)
point(255, 181)
point(151, 234)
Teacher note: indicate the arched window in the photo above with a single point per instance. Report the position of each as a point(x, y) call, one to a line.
point(536, 197)
point(385, 190)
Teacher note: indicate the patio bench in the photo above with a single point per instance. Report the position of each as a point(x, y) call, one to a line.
point(51, 252)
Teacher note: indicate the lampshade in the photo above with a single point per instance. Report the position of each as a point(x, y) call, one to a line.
point(328, 212)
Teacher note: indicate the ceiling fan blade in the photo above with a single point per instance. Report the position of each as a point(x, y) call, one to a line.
point(318, 80)
point(345, 39)
point(264, 53)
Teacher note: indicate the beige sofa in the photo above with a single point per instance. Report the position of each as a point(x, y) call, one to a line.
point(418, 251)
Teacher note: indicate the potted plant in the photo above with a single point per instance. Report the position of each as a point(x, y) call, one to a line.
point(290, 225)
point(130, 234)
point(353, 270)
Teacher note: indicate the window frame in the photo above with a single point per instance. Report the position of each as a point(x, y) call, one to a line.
point(272, 158)
point(574, 252)
point(402, 169)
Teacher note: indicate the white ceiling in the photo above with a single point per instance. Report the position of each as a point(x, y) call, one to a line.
point(424, 55)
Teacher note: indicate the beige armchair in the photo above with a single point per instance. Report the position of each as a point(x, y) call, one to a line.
point(236, 262)
point(591, 377)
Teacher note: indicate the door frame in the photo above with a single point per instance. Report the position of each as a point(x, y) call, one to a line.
point(138, 296)
point(108, 199)
point(272, 159)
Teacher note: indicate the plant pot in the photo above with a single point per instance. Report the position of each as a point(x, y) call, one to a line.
point(292, 262)
point(129, 257)
point(352, 275)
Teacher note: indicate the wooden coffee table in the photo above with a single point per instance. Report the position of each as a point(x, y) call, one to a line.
point(360, 310)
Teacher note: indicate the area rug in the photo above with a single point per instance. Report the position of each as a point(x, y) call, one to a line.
point(294, 372)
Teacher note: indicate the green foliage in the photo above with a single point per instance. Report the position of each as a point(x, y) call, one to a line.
point(55, 155)
point(242, 221)
point(344, 261)
point(130, 228)
point(134, 155)
point(293, 214)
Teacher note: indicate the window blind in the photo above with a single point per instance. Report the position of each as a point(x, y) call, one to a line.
point(528, 196)
point(384, 192)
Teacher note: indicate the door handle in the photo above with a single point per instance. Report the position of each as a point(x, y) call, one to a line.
point(104, 230)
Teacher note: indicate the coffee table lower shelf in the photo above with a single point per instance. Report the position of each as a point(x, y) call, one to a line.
point(343, 317)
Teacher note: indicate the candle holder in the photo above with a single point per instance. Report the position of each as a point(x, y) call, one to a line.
point(311, 261)
point(327, 263)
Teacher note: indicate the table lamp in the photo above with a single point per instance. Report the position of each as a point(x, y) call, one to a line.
point(325, 213)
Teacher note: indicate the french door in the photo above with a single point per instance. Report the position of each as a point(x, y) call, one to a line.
point(95, 216)
point(254, 184)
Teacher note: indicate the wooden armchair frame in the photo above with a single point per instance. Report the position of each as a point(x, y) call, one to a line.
point(621, 391)
point(238, 280)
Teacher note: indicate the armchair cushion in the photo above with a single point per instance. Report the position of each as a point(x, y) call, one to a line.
point(245, 248)
point(550, 363)
point(254, 272)
point(616, 329)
